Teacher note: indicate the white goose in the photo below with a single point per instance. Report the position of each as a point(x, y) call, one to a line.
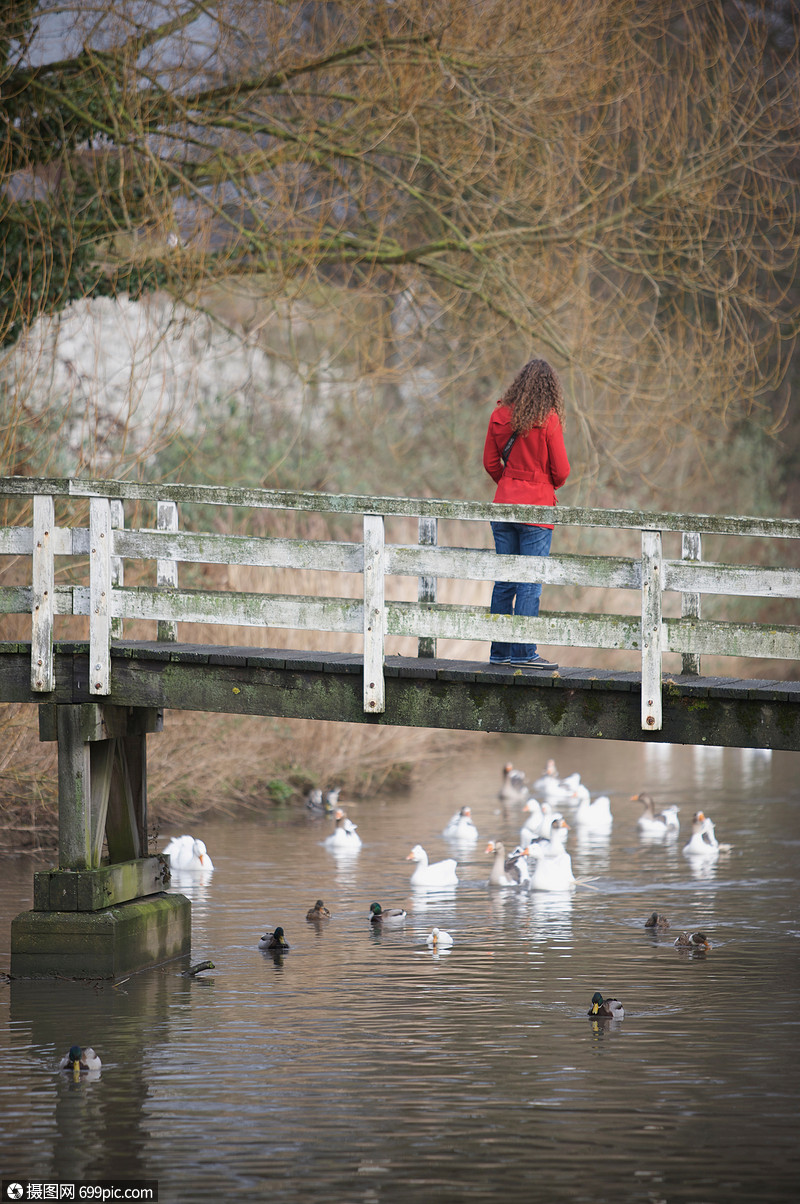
point(593, 815)
point(652, 823)
point(461, 827)
point(438, 873)
point(187, 853)
point(553, 868)
point(541, 824)
point(344, 836)
point(703, 842)
point(439, 939)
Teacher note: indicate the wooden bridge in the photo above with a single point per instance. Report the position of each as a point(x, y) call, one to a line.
point(100, 693)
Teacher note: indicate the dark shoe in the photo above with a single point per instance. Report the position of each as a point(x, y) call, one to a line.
point(537, 662)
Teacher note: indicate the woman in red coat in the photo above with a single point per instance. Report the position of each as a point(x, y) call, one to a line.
point(531, 410)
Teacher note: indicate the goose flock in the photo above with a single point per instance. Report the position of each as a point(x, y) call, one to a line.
point(540, 862)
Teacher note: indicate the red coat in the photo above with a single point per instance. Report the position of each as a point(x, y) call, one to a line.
point(537, 465)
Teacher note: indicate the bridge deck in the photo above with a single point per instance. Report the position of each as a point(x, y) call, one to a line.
point(466, 695)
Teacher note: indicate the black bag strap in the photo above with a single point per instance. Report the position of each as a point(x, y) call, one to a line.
point(506, 452)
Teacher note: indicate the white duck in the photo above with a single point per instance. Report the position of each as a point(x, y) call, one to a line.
point(545, 828)
point(438, 873)
point(507, 871)
point(702, 843)
point(593, 815)
point(439, 939)
point(188, 853)
point(344, 835)
point(652, 823)
point(461, 827)
point(514, 788)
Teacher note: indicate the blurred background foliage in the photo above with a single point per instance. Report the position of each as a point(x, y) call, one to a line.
point(307, 243)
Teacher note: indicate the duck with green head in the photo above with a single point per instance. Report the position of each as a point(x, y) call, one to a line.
point(605, 1009)
point(385, 916)
point(80, 1061)
point(276, 941)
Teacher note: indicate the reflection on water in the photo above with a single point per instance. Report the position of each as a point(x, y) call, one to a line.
point(362, 1065)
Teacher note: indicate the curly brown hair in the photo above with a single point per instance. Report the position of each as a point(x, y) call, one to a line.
point(532, 394)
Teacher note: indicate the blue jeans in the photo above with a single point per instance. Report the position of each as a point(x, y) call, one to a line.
point(517, 539)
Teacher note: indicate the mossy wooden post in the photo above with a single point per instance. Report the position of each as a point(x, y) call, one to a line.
point(374, 614)
point(426, 588)
point(167, 570)
point(102, 780)
point(44, 594)
point(690, 603)
point(652, 584)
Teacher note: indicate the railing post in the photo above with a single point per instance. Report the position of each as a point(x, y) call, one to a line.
point(167, 570)
point(117, 565)
point(99, 596)
point(652, 579)
point(374, 614)
point(426, 587)
point(43, 678)
point(690, 603)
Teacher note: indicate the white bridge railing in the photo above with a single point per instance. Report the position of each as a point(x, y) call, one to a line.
point(107, 544)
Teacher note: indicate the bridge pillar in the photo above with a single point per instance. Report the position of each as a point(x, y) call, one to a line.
point(96, 916)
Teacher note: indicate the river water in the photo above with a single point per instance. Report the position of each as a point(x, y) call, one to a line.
point(363, 1067)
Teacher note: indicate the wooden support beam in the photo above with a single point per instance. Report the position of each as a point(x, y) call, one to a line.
point(101, 760)
point(74, 792)
point(102, 780)
point(126, 822)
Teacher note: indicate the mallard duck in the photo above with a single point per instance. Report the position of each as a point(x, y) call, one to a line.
point(506, 871)
point(344, 834)
point(656, 920)
point(692, 940)
point(439, 873)
point(274, 941)
point(514, 788)
point(461, 827)
point(438, 939)
point(386, 916)
point(318, 912)
point(653, 823)
point(703, 841)
point(188, 853)
point(592, 815)
point(605, 1009)
point(325, 801)
point(80, 1061)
